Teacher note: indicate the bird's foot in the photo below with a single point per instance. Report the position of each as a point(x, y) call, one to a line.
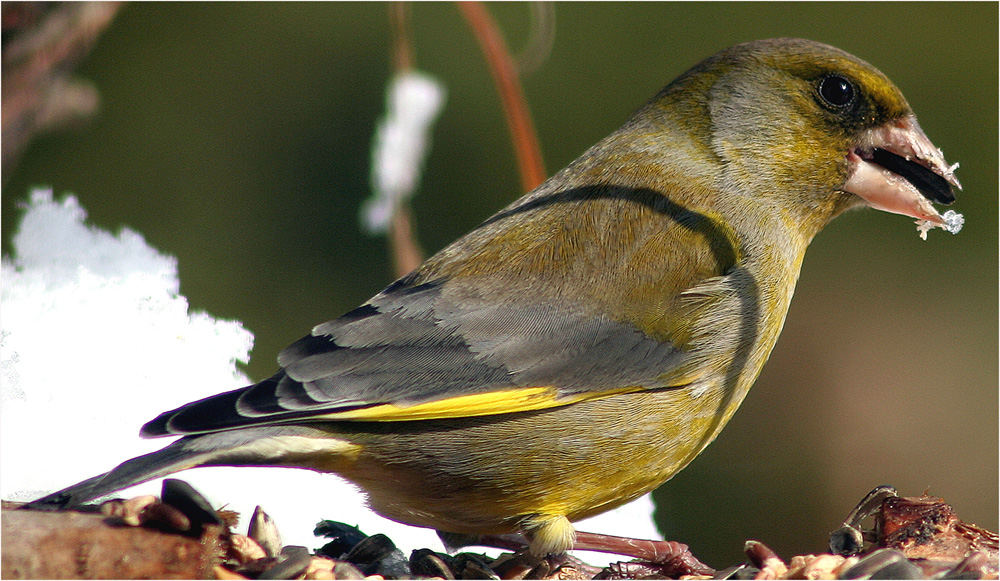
point(670, 558)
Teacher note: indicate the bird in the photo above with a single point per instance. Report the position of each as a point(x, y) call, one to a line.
point(585, 343)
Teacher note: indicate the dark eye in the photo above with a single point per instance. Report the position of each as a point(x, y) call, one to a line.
point(836, 90)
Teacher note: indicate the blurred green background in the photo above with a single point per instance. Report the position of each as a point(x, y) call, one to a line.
point(236, 137)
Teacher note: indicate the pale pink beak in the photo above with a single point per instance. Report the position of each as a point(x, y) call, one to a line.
point(896, 168)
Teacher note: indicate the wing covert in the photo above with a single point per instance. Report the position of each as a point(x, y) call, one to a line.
point(422, 352)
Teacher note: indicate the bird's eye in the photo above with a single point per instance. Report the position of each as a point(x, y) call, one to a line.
point(836, 90)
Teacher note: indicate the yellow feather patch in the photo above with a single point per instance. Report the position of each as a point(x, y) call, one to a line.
point(477, 404)
point(550, 534)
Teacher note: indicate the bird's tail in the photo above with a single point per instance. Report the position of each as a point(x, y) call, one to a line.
point(293, 445)
point(173, 458)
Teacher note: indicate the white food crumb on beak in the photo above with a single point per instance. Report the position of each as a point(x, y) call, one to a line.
point(953, 222)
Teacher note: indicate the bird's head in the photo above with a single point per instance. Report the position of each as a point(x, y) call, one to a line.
point(814, 129)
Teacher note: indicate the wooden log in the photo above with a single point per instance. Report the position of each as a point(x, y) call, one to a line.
point(75, 545)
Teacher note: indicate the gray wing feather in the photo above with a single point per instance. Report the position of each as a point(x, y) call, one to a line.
point(412, 347)
point(413, 344)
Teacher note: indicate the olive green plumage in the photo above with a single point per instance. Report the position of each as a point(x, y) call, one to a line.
point(585, 343)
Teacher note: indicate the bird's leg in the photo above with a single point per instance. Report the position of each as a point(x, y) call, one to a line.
point(668, 557)
point(522, 564)
point(674, 558)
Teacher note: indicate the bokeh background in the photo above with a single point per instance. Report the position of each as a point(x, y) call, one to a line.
point(236, 137)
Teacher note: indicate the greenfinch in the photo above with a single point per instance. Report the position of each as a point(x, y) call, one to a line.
point(585, 343)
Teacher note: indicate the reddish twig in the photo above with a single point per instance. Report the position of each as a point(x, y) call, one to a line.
point(403, 245)
point(401, 46)
point(522, 129)
point(406, 254)
point(42, 44)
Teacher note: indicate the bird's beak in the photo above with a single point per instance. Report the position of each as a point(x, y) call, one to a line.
point(896, 168)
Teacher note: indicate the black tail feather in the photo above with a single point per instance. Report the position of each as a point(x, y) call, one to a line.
point(225, 448)
point(173, 458)
point(66, 497)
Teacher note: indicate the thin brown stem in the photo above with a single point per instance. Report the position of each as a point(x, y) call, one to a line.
point(406, 254)
point(402, 47)
point(403, 245)
point(504, 71)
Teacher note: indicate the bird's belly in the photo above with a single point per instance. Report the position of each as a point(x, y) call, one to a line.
point(488, 474)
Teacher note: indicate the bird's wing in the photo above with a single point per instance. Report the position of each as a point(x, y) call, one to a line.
point(426, 351)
